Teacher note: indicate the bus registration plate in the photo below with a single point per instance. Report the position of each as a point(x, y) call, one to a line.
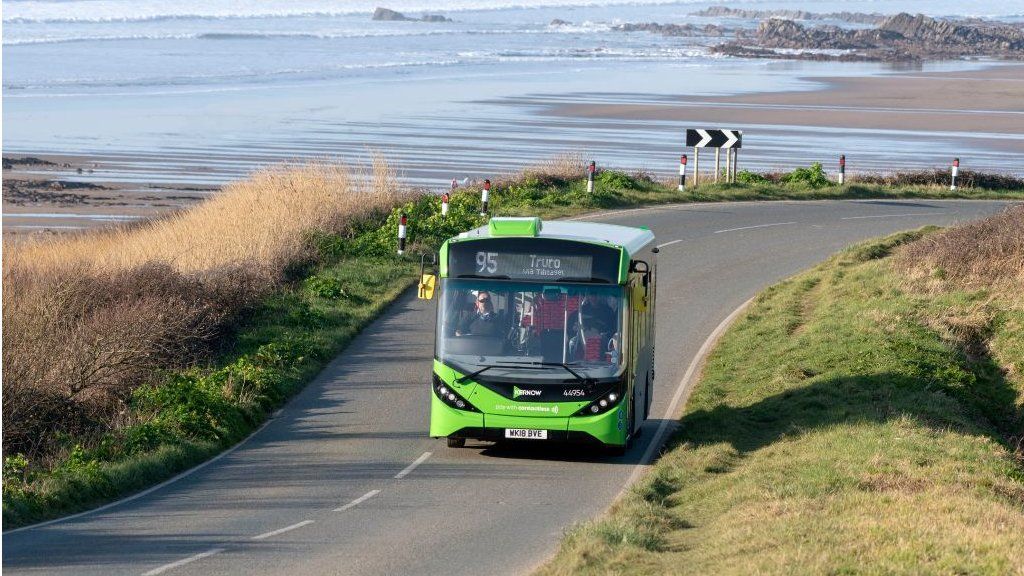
point(526, 434)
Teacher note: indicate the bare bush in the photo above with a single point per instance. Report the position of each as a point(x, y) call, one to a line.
point(987, 253)
point(941, 177)
point(76, 343)
point(558, 169)
point(88, 318)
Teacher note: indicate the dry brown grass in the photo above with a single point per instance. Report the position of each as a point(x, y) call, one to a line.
point(90, 317)
point(985, 254)
point(557, 169)
point(260, 222)
point(941, 177)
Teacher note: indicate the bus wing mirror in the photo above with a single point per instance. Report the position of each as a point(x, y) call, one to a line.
point(426, 288)
point(638, 296)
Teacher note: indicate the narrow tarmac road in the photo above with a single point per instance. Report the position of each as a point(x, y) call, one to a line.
point(345, 480)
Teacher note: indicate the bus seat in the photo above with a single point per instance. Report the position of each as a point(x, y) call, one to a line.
point(551, 314)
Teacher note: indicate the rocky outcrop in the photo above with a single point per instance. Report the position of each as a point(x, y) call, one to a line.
point(851, 17)
point(434, 18)
point(388, 15)
point(10, 163)
point(899, 37)
point(684, 30)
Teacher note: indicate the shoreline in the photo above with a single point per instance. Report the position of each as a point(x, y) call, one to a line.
point(989, 100)
point(884, 123)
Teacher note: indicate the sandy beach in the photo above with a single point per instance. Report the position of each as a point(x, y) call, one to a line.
point(39, 196)
point(983, 101)
point(63, 193)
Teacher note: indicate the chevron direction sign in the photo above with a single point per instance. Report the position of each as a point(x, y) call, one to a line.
point(714, 138)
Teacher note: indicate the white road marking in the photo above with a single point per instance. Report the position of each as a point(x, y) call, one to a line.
point(660, 246)
point(413, 466)
point(682, 394)
point(358, 501)
point(752, 227)
point(266, 535)
point(892, 215)
point(183, 561)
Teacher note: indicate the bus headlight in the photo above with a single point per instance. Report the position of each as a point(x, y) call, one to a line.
point(603, 404)
point(450, 397)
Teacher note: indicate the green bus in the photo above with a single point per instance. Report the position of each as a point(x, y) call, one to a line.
point(545, 332)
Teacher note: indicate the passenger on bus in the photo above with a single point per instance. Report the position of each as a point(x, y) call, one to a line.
point(597, 314)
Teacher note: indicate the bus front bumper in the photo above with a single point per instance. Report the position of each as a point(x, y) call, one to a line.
point(608, 428)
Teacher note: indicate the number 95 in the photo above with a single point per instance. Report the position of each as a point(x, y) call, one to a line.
point(487, 262)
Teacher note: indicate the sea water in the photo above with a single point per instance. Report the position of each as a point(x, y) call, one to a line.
point(205, 91)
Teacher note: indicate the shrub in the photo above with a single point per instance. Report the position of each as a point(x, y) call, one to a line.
point(615, 179)
point(748, 177)
point(325, 287)
point(814, 176)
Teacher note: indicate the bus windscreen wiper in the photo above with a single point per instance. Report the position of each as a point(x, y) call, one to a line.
point(482, 370)
point(575, 374)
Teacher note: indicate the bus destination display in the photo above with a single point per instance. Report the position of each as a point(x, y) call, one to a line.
point(532, 266)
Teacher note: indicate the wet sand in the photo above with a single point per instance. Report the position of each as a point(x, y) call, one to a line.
point(987, 101)
point(55, 193)
point(884, 123)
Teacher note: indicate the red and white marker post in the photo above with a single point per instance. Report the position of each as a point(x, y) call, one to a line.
point(953, 172)
point(682, 172)
point(445, 198)
point(484, 194)
point(401, 234)
point(591, 168)
point(842, 169)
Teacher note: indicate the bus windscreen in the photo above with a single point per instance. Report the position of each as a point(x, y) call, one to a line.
point(516, 328)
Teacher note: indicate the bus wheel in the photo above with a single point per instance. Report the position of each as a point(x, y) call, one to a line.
point(456, 442)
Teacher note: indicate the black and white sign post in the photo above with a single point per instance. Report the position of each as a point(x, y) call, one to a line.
point(682, 172)
point(401, 234)
point(484, 196)
point(731, 140)
point(591, 168)
point(728, 164)
point(842, 169)
point(955, 169)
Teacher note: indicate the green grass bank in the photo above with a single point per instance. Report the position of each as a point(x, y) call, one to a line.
point(327, 291)
point(863, 417)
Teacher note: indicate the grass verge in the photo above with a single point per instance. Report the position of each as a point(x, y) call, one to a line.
point(132, 354)
point(864, 417)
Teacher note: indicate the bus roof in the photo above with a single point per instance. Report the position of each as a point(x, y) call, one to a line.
point(632, 240)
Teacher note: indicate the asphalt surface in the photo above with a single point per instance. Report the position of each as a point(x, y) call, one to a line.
point(344, 480)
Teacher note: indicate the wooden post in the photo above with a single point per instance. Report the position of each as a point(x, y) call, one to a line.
point(735, 160)
point(696, 166)
point(718, 163)
point(728, 165)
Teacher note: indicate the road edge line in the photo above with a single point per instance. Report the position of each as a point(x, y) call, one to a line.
point(682, 394)
point(147, 491)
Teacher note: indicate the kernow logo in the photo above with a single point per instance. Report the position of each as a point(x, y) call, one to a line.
point(517, 392)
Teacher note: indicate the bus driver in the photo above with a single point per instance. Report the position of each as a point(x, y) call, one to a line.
point(483, 321)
